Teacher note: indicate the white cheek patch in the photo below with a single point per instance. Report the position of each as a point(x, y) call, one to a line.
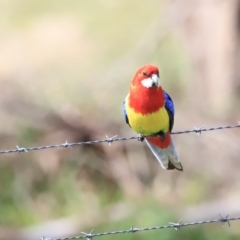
point(148, 82)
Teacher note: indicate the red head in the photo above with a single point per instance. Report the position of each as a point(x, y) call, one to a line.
point(146, 95)
point(147, 76)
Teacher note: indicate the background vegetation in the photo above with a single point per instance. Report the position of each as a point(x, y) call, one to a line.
point(65, 68)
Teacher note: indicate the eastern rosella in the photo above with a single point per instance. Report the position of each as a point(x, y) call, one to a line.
point(149, 110)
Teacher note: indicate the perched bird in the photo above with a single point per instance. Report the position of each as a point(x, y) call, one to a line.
point(149, 110)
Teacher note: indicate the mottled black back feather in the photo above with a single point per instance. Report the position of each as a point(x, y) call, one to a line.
point(125, 113)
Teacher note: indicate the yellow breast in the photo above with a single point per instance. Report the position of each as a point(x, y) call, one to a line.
point(150, 123)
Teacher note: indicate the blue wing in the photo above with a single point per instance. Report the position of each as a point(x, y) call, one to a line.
point(170, 109)
point(124, 112)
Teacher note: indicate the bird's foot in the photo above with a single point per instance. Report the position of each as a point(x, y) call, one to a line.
point(140, 137)
point(162, 135)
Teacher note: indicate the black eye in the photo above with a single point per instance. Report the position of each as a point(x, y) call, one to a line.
point(144, 74)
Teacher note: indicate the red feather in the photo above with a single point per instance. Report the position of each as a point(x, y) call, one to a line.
point(158, 142)
point(146, 100)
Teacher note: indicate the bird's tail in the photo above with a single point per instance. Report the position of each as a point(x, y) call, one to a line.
point(165, 152)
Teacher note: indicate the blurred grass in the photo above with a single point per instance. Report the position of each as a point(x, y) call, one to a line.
point(65, 70)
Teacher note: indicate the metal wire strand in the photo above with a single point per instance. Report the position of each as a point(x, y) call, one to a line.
point(110, 140)
point(175, 226)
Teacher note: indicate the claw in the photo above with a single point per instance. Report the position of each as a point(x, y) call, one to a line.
point(162, 135)
point(140, 137)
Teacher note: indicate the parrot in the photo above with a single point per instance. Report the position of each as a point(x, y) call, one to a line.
point(149, 111)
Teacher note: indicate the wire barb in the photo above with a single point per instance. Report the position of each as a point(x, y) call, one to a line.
point(43, 238)
point(198, 131)
point(224, 219)
point(177, 225)
point(21, 149)
point(132, 230)
point(88, 236)
point(110, 139)
point(66, 145)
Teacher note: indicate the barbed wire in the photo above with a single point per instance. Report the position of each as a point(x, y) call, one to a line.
point(173, 225)
point(110, 140)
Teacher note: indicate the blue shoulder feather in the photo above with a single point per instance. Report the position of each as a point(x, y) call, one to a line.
point(169, 105)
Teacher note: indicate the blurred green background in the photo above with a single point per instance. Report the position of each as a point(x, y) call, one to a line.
point(65, 68)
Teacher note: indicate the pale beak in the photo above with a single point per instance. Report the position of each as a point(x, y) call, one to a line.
point(152, 81)
point(156, 80)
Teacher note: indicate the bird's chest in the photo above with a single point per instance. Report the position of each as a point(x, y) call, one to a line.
point(148, 124)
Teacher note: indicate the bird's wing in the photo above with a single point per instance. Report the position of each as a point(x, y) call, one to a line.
point(169, 105)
